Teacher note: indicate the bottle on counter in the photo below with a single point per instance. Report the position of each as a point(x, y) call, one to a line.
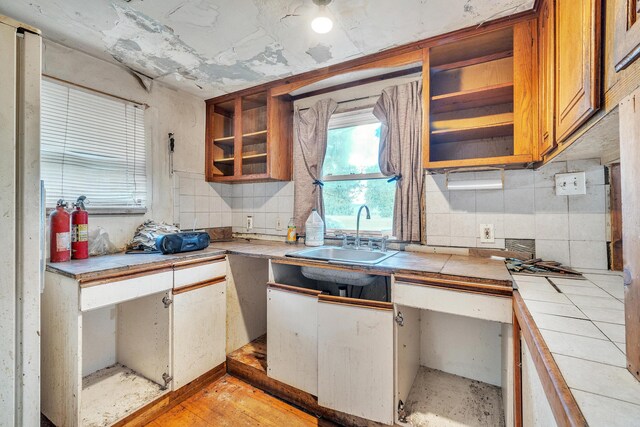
point(314, 230)
point(292, 235)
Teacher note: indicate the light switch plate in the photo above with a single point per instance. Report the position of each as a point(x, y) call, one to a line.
point(487, 234)
point(571, 184)
point(249, 222)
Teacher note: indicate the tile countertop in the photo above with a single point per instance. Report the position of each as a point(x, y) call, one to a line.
point(482, 269)
point(582, 323)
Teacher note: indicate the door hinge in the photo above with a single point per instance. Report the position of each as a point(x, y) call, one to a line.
point(167, 380)
point(167, 301)
point(399, 319)
point(402, 414)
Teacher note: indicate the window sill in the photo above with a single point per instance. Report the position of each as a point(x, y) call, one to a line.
point(111, 211)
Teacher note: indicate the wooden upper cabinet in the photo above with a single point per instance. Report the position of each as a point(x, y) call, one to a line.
point(249, 138)
point(546, 63)
point(627, 33)
point(577, 55)
point(480, 99)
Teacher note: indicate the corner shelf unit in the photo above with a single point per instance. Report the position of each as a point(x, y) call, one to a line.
point(470, 86)
point(249, 138)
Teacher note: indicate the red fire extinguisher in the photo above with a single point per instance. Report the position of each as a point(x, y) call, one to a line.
point(60, 233)
point(80, 230)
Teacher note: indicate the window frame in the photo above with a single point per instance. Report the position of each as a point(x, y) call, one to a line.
point(344, 119)
point(115, 210)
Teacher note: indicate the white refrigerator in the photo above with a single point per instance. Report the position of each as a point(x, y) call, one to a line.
point(21, 224)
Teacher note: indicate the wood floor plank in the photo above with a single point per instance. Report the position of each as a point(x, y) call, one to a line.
point(230, 401)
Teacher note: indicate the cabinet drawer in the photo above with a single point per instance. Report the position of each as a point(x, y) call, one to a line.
point(464, 303)
point(108, 292)
point(195, 273)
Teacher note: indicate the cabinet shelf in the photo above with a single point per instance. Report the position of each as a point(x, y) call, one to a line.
point(254, 137)
point(471, 61)
point(489, 95)
point(225, 139)
point(226, 160)
point(247, 138)
point(477, 132)
point(254, 158)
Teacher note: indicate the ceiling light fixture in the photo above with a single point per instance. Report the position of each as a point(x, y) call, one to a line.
point(322, 24)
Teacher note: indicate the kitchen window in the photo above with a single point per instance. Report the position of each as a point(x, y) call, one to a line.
point(352, 175)
point(92, 145)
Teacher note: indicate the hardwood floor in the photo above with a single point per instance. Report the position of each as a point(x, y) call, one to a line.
point(230, 401)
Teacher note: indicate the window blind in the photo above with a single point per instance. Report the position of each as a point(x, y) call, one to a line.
point(92, 145)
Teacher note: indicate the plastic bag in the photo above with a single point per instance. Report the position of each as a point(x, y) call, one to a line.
point(99, 243)
point(145, 236)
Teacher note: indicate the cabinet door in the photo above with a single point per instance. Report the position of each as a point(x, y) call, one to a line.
point(355, 359)
point(199, 331)
point(627, 33)
point(577, 85)
point(292, 337)
point(546, 31)
point(630, 155)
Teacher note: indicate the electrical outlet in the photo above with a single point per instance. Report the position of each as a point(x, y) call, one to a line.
point(570, 184)
point(487, 233)
point(249, 222)
point(278, 224)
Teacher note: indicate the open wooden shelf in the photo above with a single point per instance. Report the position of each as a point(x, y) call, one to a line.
point(471, 61)
point(466, 134)
point(224, 160)
point(489, 95)
point(254, 158)
point(254, 137)
point(226, 139)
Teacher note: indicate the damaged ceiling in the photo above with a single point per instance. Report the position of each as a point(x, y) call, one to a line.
point(212, 47)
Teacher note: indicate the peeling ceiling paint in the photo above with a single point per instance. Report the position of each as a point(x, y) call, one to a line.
point(212, 47)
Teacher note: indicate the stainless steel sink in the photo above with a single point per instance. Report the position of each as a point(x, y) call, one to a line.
point(343, 255)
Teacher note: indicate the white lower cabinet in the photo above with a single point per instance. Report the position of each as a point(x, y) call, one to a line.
point(199, 331)
point(536, 411)
point(292, 334)
point(355, 359)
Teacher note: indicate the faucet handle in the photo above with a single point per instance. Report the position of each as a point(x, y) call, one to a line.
point(383, 243)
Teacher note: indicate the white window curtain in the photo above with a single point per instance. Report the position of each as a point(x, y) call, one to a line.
point(92, 145)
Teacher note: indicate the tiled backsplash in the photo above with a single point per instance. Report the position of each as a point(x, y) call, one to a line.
point(226, 205)
point(569, 229)
point(199, 204)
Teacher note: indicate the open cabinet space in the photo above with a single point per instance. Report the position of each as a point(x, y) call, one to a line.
point(125, 354)
point(451, 370)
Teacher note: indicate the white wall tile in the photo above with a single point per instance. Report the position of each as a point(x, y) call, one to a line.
point(546, 201)
point(519, 201)
point(489, 201)
point(434, 182)
point(438, 240)
point(463, 225)
point(519, 179)
point(437, 202)
point(589, 255)
point(465, 242)
point(462, 201)
point(552, 226)
point(187, 186)
point(202, 188)
point(556, 250)
point(186, 220)
point(592, 202)
point(438, 225)
point(187, 203)
point(594, 171)
point(519, 226)
point(202, 220)
point(202, 204)
point(587, 226)
point(545, 176)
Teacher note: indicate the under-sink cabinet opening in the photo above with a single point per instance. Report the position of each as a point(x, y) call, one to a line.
point(454, 357)
point(125, 358)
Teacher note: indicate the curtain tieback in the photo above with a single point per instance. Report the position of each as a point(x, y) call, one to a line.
point(318, 183)
point(395, 178)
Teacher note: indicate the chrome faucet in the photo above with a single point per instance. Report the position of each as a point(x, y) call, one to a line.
point(357, 242)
